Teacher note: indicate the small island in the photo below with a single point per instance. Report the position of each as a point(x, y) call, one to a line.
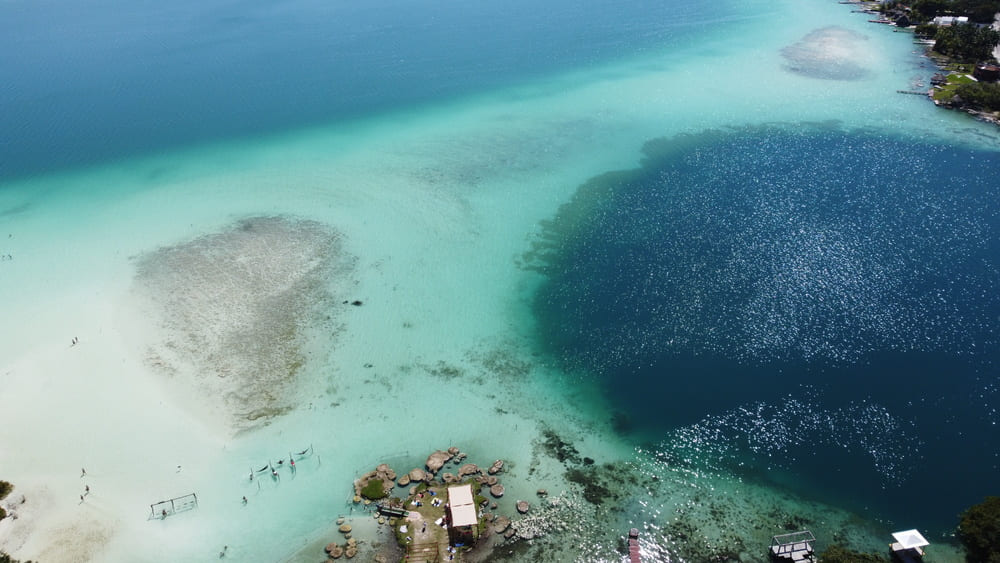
point(444, 511)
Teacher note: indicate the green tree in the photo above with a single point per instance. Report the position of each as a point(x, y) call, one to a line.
point(979, 530)
point(926, 10)
point(979, 11)
point(966, 42)
point(981, 95)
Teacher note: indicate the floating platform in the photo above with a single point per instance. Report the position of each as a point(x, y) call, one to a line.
point(797, 546)
point(908, 547)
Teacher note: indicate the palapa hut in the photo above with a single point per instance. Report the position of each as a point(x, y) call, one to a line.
point(463, 518)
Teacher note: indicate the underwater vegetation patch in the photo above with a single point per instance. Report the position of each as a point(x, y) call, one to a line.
point(232, 310)
point(829, 53)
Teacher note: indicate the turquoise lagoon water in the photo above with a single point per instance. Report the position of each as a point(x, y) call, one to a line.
point(708, 247)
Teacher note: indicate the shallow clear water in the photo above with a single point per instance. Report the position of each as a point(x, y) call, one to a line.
point(802, 253)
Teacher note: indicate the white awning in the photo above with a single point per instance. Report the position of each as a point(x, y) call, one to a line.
point(910, 539)
point(462, 504)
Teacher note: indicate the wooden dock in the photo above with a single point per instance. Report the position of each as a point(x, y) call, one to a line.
point(423, 553)
point(633, 546)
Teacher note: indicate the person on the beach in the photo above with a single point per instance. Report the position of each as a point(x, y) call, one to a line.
point(244, 501)
point(86, 489)
point(83, 472)
point(81, 498)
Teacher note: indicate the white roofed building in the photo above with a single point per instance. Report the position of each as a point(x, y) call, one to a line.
point(463, 516)
point(950, 20)
point(908, 547)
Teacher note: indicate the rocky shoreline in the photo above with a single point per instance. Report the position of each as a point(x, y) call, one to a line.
point(413, 507)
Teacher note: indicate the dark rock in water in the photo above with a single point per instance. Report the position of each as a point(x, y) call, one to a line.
point(436, 460)
point(469, 469)
point(523, 506)
point(497, 490)
point(501, 524)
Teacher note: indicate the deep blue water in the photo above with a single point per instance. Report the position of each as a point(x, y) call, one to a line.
point(87, 82)
point(819, 303)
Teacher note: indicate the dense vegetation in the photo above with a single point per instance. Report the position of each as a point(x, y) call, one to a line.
point(840, 554)
point(966, 42)
point(979, 11)
point(981, 95)
point(979, 531)
point(374, 490)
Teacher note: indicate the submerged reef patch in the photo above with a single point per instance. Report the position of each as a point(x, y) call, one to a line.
point(235, 310)
point(829, 53)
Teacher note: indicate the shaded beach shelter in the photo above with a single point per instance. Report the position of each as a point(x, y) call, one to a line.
point(795, 547)
point(908, 545)
point(463, 518)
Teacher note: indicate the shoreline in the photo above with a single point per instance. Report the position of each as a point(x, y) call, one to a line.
point(939, 60)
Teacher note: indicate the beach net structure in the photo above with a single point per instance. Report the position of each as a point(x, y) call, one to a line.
point(165, 508)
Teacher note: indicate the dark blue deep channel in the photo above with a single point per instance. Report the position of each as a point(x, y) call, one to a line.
point(817, 305)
